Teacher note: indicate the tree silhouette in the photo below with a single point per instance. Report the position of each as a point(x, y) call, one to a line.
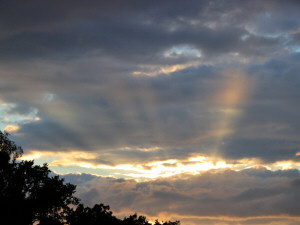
point(167, 223)
point(9, 148)
point(98, 215)
point(30, 194)
point(27, 192)
point(135, 220)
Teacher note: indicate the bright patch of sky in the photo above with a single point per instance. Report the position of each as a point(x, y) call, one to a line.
point(182, 51)
point(82, 162)
point(296, 49)
point(11, 121)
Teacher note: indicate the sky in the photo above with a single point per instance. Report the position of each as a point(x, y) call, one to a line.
point(180, 110)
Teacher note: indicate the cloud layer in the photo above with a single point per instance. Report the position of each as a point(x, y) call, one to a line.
point(115, 87)
point(247, 196)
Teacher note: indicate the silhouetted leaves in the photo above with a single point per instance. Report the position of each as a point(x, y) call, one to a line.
point(98, 215)
point(27, 192)
point(135, 220)
point(9, 147)
point(167, 223)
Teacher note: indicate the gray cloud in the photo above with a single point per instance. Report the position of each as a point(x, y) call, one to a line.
point(134, 31)
point(248, 193)
point(73, 64)
point(96, 106)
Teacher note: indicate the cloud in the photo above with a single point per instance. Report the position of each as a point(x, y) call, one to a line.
point(140, 88)
point(11, 128)
point(136, 32)
point(245, 195)
point(99, 107)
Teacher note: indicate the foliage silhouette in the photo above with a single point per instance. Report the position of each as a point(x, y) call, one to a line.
point(98, 215)
point(9, 148)
point(167, 223)
point(135, 220)
point(29, 194)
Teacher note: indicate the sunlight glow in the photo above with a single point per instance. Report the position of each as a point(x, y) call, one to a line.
point(80, 160)
point(157, 70)
point(155, 148)
point(149, 170)
point(33, 156)
point(11, 128)
point(285, 165)
point(225, 220)
point(235, 92)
